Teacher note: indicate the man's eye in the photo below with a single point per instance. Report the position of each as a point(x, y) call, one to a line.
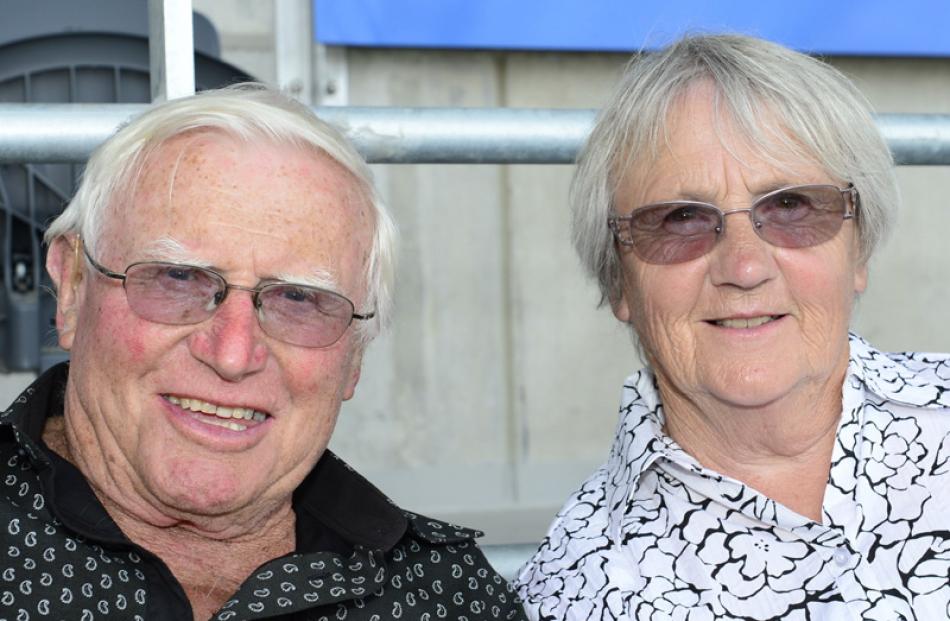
point(180, 273)
point(296, 294)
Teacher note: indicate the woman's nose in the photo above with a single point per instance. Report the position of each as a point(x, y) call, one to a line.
point(741, 258)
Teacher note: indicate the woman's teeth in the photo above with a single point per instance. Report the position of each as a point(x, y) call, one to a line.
point(746, 322)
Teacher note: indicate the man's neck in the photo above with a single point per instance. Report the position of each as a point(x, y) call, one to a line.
point(209, 565)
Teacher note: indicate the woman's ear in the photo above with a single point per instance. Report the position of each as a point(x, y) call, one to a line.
point(64, 264)
point(620, 307)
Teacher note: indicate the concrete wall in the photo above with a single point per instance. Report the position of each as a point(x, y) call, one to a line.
point(495, 393)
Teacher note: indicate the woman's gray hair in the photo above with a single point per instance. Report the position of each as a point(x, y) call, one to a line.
point(791, 107)
point(246, 112)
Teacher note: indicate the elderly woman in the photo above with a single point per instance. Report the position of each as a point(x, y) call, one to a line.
point(767, 464)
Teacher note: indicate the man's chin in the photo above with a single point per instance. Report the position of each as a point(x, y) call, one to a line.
point(198, 490)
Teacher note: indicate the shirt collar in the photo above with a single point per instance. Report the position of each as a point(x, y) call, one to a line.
point(917, 380)
point(639, 440)
point(333, 493)
point(913, 379)
point(27, 414)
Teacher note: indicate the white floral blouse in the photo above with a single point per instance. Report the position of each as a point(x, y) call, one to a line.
point(654, 535)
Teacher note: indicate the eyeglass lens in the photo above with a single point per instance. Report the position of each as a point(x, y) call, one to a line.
point(675, 232)
point(182, 294)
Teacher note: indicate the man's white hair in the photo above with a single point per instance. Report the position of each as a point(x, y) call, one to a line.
point(247, 112)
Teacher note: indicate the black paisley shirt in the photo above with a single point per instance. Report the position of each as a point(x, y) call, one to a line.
point(358, 557)
point(655, 535)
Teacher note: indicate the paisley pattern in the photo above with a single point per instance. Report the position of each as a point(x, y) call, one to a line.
point(64, 558)
point(655, 535)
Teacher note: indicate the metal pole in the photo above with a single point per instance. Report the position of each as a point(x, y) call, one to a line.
point(171, 49)
point(293, 43)
point(69, 132)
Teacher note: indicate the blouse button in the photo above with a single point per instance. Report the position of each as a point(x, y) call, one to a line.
point(842, 556)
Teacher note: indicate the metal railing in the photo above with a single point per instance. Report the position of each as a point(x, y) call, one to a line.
point(69, 132)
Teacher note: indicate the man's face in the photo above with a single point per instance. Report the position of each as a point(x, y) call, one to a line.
point(253, 213)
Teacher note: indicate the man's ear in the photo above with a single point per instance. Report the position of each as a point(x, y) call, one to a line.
point(356, 366)
point(64, 264)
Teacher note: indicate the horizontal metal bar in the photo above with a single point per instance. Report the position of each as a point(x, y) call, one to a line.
point(58, 132)
point(69, 132)
point(464, 135)
point(917, 139)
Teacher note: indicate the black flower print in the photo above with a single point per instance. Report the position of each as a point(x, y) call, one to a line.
point(654, 535)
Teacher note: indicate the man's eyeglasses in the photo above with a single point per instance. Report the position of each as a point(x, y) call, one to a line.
point(678, 231)
point(176, 294)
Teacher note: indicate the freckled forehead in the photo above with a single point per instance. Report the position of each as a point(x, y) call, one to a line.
point(277, 206)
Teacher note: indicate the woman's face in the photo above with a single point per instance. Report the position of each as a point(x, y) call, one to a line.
point(749, 324)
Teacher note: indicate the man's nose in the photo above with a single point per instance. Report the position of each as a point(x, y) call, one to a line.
point(741, 258)
point(231, 341)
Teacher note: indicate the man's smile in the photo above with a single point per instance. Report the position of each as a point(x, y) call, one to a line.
point(220, 415)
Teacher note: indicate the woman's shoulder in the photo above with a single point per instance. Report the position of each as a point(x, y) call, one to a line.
point(917, 379)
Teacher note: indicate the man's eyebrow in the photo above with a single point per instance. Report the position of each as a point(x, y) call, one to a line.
point(171, 250)
point(319, 278)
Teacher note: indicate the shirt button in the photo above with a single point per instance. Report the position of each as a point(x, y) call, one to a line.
point(842, 556)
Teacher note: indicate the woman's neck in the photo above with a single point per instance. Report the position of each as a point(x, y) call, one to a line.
point(782, 449)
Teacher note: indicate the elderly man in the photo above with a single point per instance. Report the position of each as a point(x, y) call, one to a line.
point(219, 272)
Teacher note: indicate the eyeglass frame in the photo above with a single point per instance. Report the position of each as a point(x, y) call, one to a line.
point(852, 192)
point(255, 291)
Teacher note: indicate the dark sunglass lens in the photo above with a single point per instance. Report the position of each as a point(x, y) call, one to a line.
point(304, 316)
point(674, 233)
point(800, 217)
point(173, 294)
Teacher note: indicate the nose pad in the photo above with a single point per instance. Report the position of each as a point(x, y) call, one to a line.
point(231, 342)
point(741, 257)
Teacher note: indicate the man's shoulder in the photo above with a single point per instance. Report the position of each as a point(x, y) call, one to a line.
point(437, 532)
point(431, 566)
point(438, 564)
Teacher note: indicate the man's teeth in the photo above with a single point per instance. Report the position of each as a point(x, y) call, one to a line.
point(748, 322)
point(221, 412)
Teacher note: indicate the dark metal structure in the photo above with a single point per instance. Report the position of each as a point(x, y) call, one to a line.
point(66, 51)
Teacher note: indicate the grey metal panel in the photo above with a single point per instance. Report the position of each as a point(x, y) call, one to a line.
point(508, 559)
point(69, 52)
point(31, 19)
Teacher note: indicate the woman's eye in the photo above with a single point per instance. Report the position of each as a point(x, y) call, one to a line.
point(682, 214)
point(791, 202)
point(690, 220)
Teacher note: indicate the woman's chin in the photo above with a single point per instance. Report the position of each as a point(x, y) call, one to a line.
point(757, 386)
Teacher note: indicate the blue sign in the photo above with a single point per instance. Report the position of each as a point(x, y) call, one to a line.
point(845, 27)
